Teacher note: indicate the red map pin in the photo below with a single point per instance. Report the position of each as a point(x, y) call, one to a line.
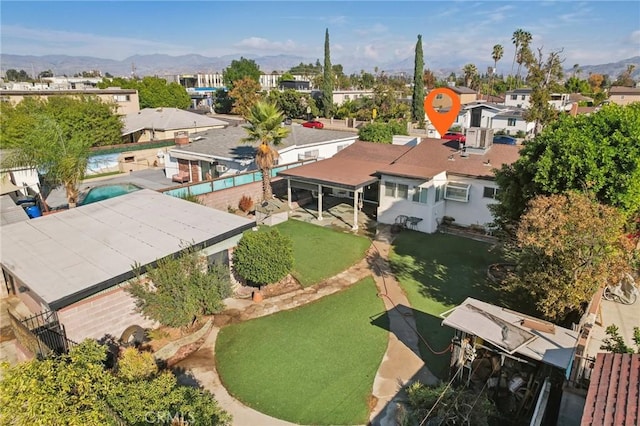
point(442, 121)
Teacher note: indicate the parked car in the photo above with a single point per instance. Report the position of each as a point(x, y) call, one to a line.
point(504, 139)
point(455, 136)
point(313, 124)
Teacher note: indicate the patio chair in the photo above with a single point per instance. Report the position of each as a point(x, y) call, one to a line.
point(401, 221)
point(181, 177)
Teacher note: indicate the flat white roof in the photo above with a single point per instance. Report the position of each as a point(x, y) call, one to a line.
point(67, 256)
point(503, 328)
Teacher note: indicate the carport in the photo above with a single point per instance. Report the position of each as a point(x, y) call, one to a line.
point(351, 171)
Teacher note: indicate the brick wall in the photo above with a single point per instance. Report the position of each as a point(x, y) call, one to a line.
point(225, 198)
point(107, 313)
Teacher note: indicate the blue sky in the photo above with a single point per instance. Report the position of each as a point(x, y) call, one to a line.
point(362, 33)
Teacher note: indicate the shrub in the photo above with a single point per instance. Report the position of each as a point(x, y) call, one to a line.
point(520, 134)
point(245, 204)
point(263, 257)
point(178, 291)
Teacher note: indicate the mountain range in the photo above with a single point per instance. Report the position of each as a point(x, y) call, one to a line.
point(160, 64)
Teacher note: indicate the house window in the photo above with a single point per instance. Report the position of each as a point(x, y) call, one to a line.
point(396, 190)
point(514, 97)
point(346, 97)
point(490, 192)
point(420, 195)
point(121, 98)
point(511, 122)
point(457, 191)
point(439, 193)
point(523, 97)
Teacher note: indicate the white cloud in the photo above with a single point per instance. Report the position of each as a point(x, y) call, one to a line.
point(259, 43)
point(375, 29)
point(370, 52)
point(634, 37)
point(37, 41)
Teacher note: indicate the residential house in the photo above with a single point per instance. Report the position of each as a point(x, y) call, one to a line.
point(154, 124)
point(425, 182)
point(464, 94)
point(222, 152)
point(512, 121)
point(75, 265)
point(126, 100)
point(621, 95)
point(521, 98)
point(342, 96)
point(437, 178)
point(478, 114)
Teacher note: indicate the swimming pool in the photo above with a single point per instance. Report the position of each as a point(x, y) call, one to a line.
point(104, 192)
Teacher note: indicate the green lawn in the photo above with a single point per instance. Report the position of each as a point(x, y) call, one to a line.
point(320, 253)
point(311, 365)
point(438, 272)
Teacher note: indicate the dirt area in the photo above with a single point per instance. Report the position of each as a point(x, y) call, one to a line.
point(164, 335)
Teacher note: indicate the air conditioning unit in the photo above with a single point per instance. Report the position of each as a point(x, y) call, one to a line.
point(221, 168)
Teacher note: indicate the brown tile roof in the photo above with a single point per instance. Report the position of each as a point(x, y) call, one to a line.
point(352, 167)
point(614, 391)
point(433, 156)
point(622, 90)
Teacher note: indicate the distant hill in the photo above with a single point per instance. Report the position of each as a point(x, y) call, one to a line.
point(613, 69)
point(159, 64)
point(142, 65)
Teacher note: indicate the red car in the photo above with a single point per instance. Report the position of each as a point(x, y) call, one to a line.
point(313, 124)
point(455, 136)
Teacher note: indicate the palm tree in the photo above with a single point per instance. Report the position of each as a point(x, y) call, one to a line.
point(470, 71)
point(62, 160)
point(516, 39)
point(265, 127)
point(525, 39)
point(497, 54)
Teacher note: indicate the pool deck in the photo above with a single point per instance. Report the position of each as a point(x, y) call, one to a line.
point(148, 179)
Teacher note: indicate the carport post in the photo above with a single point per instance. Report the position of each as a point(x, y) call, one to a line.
point(355, 211)
point(289, 192)
point(319, 202)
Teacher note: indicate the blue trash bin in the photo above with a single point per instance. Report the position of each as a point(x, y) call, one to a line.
point(33, 211)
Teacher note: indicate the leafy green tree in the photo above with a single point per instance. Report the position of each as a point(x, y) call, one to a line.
point(543, 78)
point(180, 290)
point(327, 81)
point(454, 406)
point(245, 94)
point(15, 75)
point(56, 136)
point(615, 342)
point(157, 396)
point(222, 102)
point(239, 69)
point(577, 85)
point(263, 257)
point(382, 132)
point(599, 153)
point(567, 245)
point(417, 99)
point(76, 389)
point(265, 127)
point(293, 103)
point(625, 78)
point(69, 390)
point(153, 92)
point(287, 76)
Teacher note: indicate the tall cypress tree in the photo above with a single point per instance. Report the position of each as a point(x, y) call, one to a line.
point(417, 104)
point(327, 79)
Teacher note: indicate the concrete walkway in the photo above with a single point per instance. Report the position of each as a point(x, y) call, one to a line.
point(401, 363)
